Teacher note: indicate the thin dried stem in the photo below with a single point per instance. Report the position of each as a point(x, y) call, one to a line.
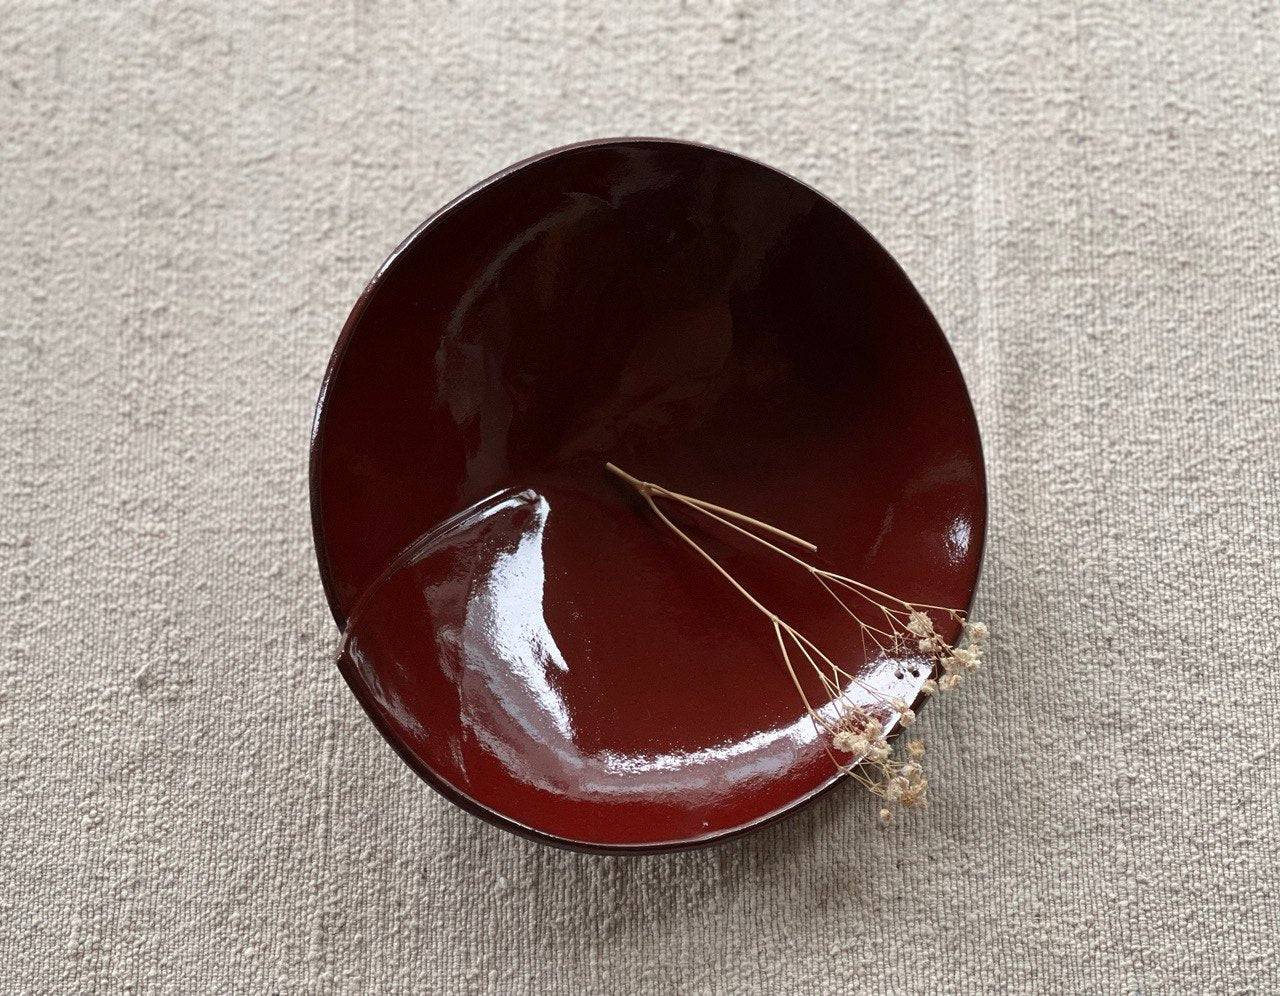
point(858, 730)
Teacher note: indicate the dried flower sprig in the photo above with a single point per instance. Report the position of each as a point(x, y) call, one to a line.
point(853, 734)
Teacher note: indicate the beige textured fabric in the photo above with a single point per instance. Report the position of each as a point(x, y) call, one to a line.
point(192, 196)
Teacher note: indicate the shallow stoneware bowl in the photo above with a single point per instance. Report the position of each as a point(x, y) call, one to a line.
point(517, 624)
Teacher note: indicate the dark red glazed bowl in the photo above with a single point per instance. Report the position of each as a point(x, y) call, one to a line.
point(521, 630)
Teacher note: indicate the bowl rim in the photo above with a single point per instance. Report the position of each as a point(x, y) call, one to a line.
point(342, 619)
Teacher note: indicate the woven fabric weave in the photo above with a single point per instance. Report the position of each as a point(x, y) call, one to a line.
point(194, 193)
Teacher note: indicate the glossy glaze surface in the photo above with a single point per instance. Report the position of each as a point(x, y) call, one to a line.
point(520, 628)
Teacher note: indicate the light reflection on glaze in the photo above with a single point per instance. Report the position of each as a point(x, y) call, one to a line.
point(509, 648)
point(495, 644)
point(958, 539)
point(512, 706)
point(505, 624)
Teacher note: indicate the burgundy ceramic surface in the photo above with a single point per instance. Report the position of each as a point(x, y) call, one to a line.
point(519, 626)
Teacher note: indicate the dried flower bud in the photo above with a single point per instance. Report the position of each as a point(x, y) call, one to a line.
point(919, 624)
point(916, 749)
point(849, 742)
point(977, 632)
point(908, 717)
point(930, 687)
point(911, 798)
point(878, 751)
point(950, 682)
point(899, 703)
point(872, 728)
point(910, 770)
point(886, 816)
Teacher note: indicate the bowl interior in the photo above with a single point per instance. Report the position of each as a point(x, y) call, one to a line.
point(520, 627)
